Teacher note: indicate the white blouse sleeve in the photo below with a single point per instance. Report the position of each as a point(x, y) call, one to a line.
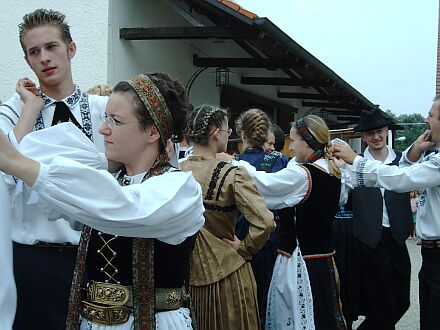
point(62, 140)
point(168, 207)
point(281, 189)
point(346, 185)
point(372, 173)
point(405, 162)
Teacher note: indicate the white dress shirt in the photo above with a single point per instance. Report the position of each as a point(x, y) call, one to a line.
point(390, 157)
point(422, 175)
point(33, 225)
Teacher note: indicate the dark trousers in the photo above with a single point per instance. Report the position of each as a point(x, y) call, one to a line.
point(43, 276)
point(429, 289)
point(385, 283)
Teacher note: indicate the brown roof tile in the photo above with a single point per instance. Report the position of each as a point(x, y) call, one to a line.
point(238, 9)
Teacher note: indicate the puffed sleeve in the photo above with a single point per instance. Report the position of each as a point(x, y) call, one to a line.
point(62, 140)
point(281, 189)
point(168, 207)
point(252, 205)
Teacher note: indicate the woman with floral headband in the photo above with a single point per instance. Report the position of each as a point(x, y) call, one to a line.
point(140, 227)
point(304, 291)
point(222, 285)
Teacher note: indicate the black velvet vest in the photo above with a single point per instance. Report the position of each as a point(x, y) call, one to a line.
point(170, 261)
point(368, 210)
point(314, 217)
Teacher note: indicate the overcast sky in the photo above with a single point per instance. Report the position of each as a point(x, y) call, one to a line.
point(386, 49)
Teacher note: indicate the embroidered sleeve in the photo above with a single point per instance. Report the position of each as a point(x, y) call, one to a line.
point(360, 182)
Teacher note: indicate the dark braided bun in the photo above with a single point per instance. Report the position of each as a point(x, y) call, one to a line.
point(202, 120)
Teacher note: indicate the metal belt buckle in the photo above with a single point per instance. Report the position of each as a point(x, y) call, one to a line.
point(112, 315)
point(107, 293)
point(168, 299)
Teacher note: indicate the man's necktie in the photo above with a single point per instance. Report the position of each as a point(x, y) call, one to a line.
point(62, 114)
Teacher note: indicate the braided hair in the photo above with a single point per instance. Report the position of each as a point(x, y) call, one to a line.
point(254, 124)
point(201, 120)
point(318, 128)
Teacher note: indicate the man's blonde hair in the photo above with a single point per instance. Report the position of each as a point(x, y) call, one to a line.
point(42, 17)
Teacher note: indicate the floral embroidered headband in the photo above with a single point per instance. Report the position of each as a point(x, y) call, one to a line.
point(155, 104)
point(303, 130)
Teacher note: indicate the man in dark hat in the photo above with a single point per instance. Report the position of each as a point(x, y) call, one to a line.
point(382, 221)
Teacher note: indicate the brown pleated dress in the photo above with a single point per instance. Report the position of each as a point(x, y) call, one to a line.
point(222, 285)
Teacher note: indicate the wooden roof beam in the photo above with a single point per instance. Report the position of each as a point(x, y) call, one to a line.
point(331, 105)
point(233, 62)
point(283, 82)
point(187, 32)
point(348, 118)
point(309, 96)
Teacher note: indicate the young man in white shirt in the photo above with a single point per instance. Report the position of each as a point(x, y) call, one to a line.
point(382, 221)
point(417, 172)
point(45, 251)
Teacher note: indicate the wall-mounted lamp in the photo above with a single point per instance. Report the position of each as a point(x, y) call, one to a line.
point(222, 76)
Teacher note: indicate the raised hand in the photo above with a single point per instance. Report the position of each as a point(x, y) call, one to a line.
point(342, 151)
point(28, 92)
point(423, 142)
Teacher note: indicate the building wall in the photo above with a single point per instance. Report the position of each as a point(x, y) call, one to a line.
point(89, 26)
point(128, 57)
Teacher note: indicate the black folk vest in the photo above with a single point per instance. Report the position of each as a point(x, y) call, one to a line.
point(314, 216)
point(368, 209)
point(171, 262)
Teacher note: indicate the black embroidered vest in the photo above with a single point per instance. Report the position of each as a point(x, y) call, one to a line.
point(170, 261)
point(314, 216)
point(368, 209)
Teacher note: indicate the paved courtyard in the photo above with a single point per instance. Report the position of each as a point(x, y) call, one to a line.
point(410, 321)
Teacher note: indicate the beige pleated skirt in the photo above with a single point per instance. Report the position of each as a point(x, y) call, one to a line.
point(229, 304)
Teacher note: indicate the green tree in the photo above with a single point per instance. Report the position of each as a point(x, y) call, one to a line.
point(413, 125)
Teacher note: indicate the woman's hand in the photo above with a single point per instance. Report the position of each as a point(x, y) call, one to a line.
point(235, 243)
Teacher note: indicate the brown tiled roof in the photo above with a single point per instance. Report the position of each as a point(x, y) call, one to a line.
point(238, 9)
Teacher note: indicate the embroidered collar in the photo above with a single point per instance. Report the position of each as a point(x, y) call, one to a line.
point(70, 100)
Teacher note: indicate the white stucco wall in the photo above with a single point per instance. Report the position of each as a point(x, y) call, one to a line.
point(89, 25)
point(130, 57)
